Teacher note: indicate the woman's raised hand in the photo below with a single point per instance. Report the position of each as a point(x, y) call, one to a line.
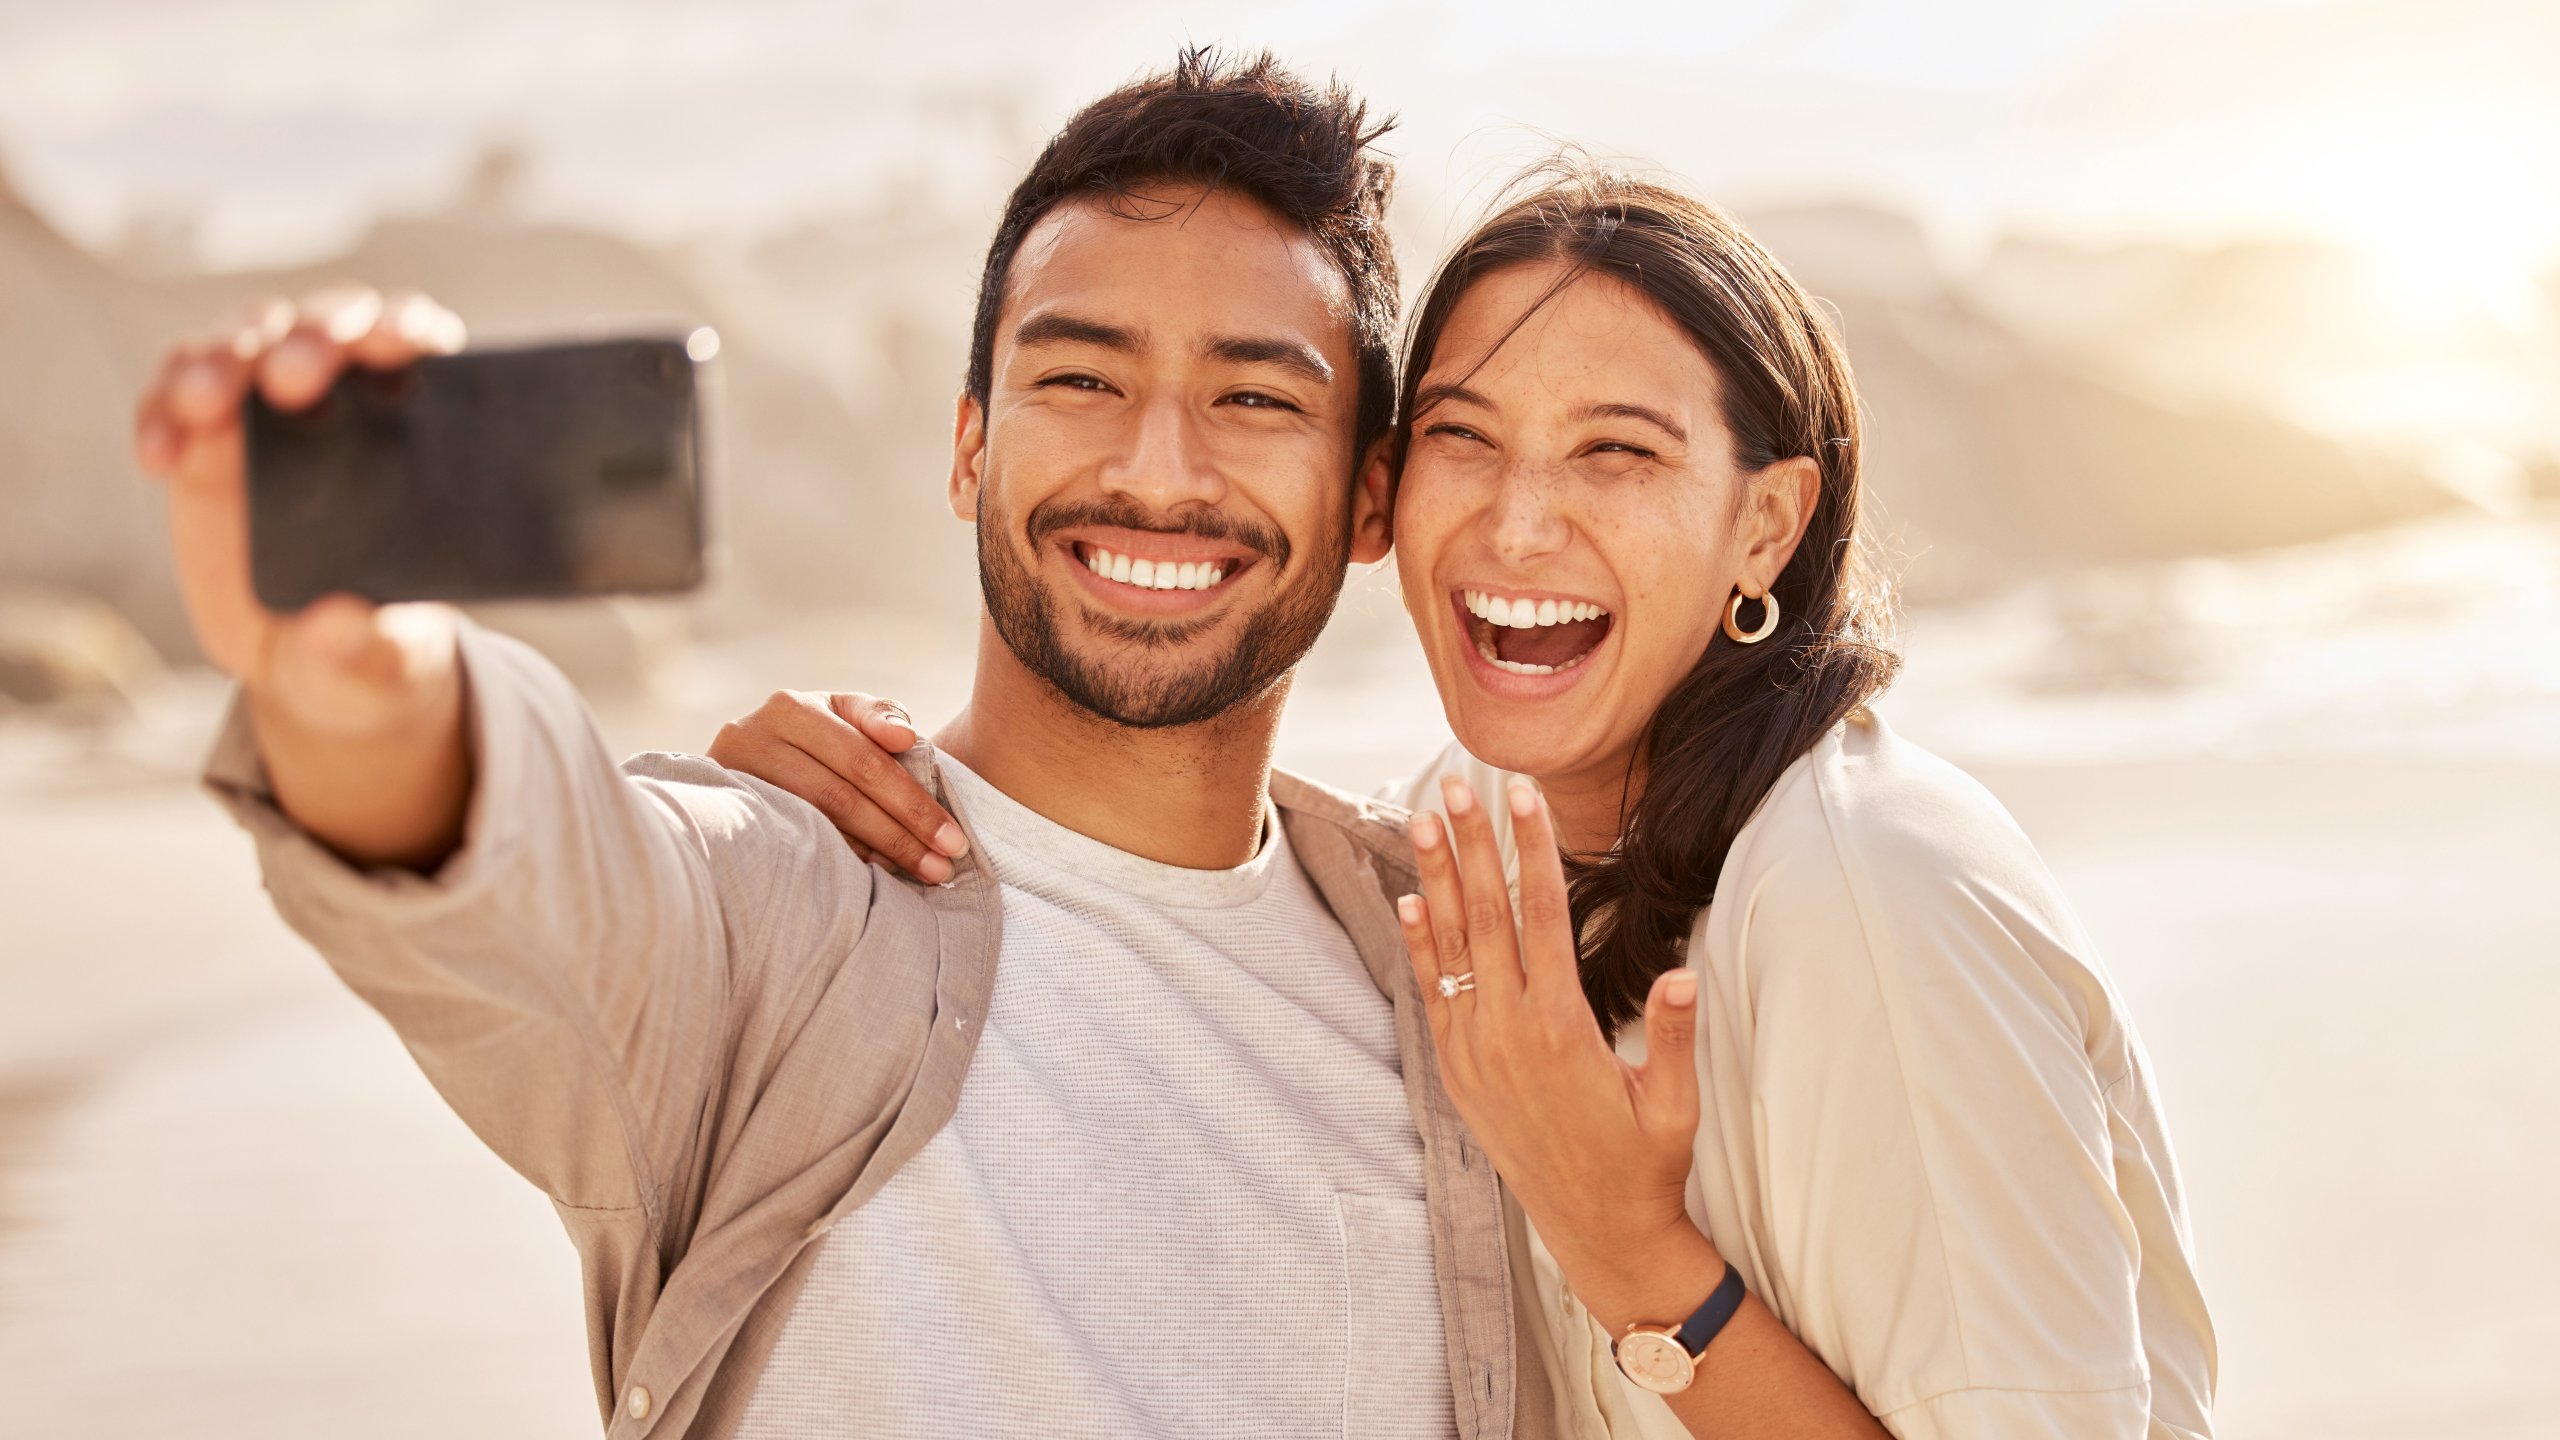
point(1597, 1150)
point(833, 751)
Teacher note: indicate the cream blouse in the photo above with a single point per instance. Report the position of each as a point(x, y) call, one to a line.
point(1929, 1138)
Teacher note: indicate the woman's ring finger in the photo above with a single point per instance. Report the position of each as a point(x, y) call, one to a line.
point(1453, 986)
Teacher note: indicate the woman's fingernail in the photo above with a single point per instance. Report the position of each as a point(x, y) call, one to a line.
point(1426, 831)
point(950, 841)
point(1460, 797)
point(1410, 907)
point(1524, 799)
point(1681, 988)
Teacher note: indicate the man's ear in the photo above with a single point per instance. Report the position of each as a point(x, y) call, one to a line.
point(1373, 506)
point(1775, 511)
point(968, 456)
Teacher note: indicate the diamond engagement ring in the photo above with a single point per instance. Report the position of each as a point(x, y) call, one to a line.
point(1453, 986)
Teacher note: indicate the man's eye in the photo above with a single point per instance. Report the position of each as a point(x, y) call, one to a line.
point(1258, 400)
point(1076, 382)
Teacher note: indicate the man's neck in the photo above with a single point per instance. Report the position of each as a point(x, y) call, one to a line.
point(1189, 796)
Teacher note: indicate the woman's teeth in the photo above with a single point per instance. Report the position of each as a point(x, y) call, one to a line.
point(1500, 613)
point(1484, 647)
point(1526, 614)
point(1154, 575)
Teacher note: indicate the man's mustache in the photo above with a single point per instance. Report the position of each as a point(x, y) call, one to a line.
point(1051, 516)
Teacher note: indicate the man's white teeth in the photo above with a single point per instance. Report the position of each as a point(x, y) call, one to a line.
point(1152, 574)
point(1525, 614)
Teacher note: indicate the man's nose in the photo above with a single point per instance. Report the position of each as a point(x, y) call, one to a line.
point(1526, 518)
point(1166, 462)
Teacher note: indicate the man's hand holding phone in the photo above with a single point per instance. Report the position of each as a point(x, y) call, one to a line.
point(358, 707)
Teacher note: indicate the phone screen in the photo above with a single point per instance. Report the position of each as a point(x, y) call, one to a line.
point(501, 474)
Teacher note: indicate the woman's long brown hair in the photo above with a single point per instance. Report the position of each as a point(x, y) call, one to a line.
point(1743, 713)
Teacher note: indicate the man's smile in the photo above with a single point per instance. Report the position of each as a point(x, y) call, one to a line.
point(1150, 572)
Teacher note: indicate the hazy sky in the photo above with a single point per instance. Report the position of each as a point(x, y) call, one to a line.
point(2425, 130)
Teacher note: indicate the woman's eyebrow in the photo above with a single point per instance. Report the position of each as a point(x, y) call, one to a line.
point(1430, 395)
point(1619, 410)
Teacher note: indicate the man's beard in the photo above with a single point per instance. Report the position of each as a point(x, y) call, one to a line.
point(1272, 641)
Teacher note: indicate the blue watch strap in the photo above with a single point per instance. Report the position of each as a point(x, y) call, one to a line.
point(1708, 1320)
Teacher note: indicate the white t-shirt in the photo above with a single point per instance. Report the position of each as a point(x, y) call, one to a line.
point(1182, 1193)
point(1929, 1141)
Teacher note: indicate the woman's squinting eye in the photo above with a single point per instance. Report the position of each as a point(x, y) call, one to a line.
point(1620, 447)
point(1453, 430)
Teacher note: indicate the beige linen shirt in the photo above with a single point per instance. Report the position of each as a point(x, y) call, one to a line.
point(670, 996)
point(1930, 1140)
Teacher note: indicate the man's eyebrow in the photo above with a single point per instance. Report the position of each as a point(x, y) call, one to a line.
point(1613, 410)
point(1295, 355)
point(1052, 328)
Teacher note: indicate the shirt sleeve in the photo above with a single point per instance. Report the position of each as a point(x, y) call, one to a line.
point(1933, 1134)
point(568, 978)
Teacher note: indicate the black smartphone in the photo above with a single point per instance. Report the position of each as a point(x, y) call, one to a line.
point(549, 471)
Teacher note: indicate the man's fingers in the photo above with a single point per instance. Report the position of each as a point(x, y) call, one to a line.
point(1670, 1073)
point(406, 327)
point(249, 330)
point(156, 438)
point(1485, 892)
point(301, 367)
point(205, 385)
point(343, 313)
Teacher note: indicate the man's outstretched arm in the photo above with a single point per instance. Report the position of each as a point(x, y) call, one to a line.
point(358, 709)
point(565, 945)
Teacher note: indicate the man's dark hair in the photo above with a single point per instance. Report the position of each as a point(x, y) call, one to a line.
point(1249, 126)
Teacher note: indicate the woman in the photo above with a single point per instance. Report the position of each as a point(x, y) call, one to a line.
point(1626, 482)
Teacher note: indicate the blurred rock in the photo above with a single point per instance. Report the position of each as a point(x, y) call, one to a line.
point(70, 652)
point(1997, 455)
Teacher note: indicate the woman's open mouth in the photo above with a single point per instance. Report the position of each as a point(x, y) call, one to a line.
point(1531, 634)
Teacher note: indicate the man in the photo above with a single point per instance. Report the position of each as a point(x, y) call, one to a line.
point(1131, 1126)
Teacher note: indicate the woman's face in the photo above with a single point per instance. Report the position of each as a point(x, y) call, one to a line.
point(1571, 519)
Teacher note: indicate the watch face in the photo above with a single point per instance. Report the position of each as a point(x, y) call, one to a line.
point(1656, 1362)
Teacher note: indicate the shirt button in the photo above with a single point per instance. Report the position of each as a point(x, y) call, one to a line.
point(637, 1402)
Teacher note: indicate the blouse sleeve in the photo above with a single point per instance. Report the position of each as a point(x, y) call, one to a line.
point(1931, 1130)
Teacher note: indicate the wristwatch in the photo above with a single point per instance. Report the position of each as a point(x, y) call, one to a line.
point(1664, 1358)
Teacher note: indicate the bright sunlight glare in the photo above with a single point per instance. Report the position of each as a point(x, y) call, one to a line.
point(2452, 213)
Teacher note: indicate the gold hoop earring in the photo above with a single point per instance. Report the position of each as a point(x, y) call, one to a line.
point(1733, 618)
